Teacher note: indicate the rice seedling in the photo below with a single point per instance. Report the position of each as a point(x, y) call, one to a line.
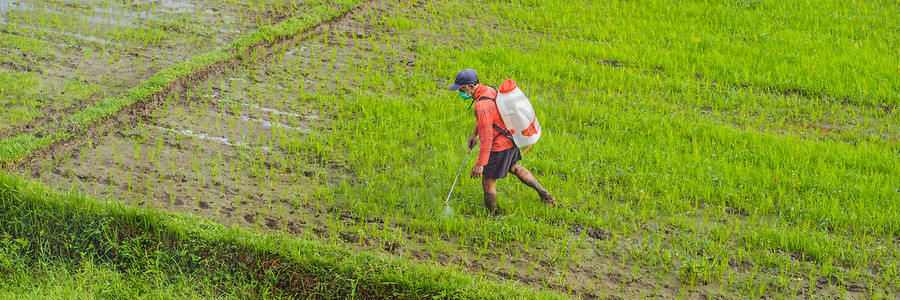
point(703, 147)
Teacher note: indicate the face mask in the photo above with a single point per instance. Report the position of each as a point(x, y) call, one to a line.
point(465, 96)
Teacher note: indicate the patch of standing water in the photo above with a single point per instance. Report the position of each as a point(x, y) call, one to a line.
point(274, 111)
point(74, 35)
point(10, 5)
point(203, 136)
point(231, 79)
point(269, 124)
point(153, 10)
point(110, 21)
point(100, 41)
point(173, 6)
point(122, 11)
point(266, 109)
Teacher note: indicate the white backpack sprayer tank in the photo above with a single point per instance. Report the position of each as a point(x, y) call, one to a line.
point(517, 114)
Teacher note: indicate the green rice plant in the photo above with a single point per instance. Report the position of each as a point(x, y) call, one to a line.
point(136, 150)
point(659, 132)
point(156, 237)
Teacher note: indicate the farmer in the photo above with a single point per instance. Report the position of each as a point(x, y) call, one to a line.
point(497, 154)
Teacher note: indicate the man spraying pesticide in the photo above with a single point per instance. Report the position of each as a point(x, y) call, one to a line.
point(499, 151)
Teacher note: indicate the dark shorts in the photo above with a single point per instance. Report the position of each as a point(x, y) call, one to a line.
point(499, 162)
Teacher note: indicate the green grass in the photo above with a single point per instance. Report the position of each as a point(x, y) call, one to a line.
point(836, 50)
point(26, 44)
point(788, 164)
point(741, 149)
point(18, 97)
point(59, 246)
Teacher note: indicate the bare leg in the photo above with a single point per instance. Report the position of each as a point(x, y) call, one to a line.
point(528, 179)
point(490, 194)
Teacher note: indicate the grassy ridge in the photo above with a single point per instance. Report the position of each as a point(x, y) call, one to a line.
point(141, 253)
point(14, 149)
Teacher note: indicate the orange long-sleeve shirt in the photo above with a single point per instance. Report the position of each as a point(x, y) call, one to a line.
point(486, 115)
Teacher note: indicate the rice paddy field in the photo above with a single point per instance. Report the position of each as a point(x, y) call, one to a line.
point(303, 149)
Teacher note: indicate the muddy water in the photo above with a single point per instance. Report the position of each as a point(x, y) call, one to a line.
point(10, 5)
point(204, 136)
point(270, 110)
point(173, 6)
point(7, 6)
point(98, 40)
point(122, 11)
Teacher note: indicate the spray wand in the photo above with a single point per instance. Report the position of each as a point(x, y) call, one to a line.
point(447, 202)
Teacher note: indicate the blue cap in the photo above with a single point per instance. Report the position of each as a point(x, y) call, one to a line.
point(465, 77)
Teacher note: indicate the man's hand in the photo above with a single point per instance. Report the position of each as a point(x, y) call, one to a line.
point(477, 170)
point(473, 140)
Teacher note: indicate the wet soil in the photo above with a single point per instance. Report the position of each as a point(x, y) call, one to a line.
point(80, 52)
point(221, 155)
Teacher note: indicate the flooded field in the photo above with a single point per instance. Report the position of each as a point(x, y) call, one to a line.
point(57, 57)
point(243, 148)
